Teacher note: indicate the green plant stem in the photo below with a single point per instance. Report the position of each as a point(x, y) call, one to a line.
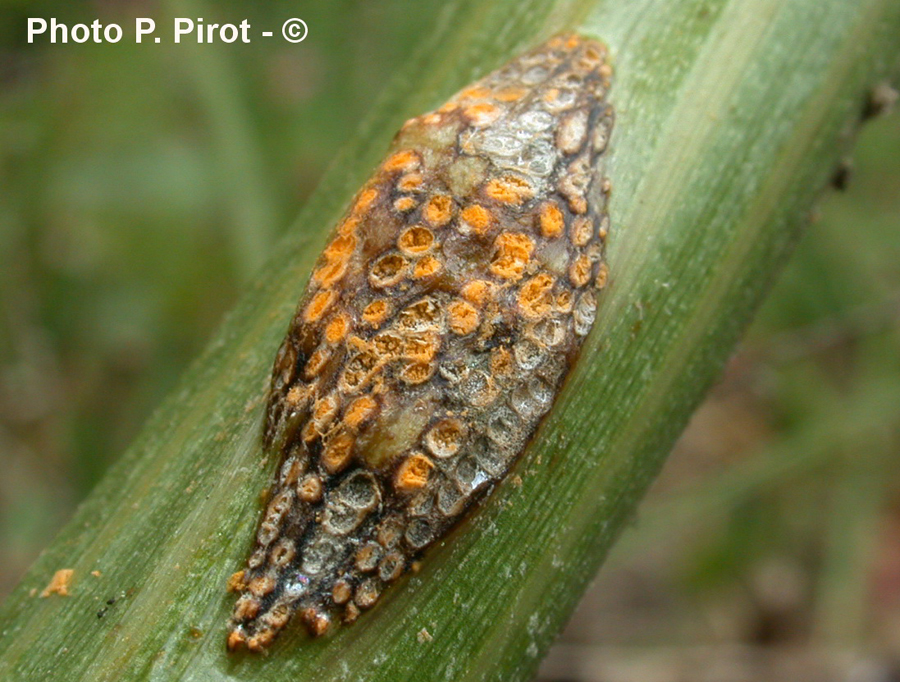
point(731, 115)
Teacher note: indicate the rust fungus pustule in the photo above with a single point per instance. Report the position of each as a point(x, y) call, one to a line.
point(437, 329)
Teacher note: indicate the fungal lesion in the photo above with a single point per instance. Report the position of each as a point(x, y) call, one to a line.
point(438, 327)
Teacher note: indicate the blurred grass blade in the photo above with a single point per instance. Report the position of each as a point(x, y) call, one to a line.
point(243, 184)
point(730, 116)
point(825, 439)
point(854, 519)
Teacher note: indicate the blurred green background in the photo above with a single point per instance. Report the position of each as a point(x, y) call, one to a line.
point(140, 185)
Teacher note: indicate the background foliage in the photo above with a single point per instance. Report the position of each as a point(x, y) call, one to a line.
point(140, 186)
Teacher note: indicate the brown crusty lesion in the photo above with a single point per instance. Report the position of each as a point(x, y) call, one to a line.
point(436, 331)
